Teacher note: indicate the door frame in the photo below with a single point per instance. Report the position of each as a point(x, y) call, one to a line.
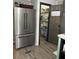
point(41, 3)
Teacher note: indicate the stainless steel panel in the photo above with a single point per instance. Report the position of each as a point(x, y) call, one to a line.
point(24, 20)
point(31, 17)
point(25, 40)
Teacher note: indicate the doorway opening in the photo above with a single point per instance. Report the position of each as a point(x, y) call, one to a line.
point(44, 21)
point(45, 15)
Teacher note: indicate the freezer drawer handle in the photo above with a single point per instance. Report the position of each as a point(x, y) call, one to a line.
point(25, 35)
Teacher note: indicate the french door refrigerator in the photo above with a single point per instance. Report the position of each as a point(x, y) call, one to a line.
point(24, 26)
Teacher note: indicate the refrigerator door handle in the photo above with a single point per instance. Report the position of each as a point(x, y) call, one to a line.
point(25, 21)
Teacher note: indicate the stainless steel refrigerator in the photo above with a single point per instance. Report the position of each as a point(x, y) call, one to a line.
point(24, 27)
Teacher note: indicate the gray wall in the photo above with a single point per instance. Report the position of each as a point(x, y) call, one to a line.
point(63, 23)
point(63, 18)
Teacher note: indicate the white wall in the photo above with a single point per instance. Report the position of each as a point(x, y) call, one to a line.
point(59, 2)
point(37, 7)
point(52, 2)
point(34, 2)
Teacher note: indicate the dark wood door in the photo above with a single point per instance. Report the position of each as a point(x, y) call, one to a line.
point(54, 29)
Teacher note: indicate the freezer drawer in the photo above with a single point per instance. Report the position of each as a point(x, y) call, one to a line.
point(23, 41)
